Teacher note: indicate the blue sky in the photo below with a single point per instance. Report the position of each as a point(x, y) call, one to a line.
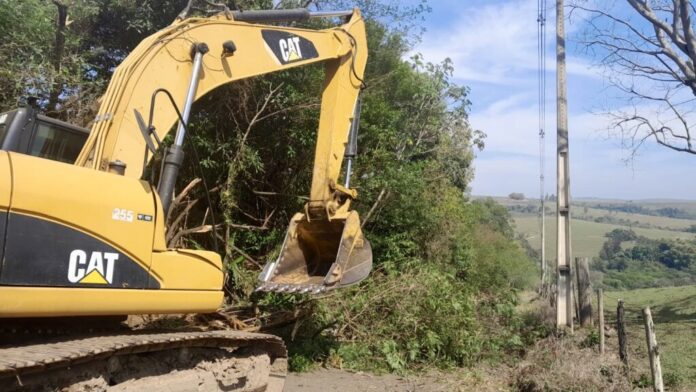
point(493, 45)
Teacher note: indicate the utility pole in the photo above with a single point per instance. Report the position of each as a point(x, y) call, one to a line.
point(564, 297)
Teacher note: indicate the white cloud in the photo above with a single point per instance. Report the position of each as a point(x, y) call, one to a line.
point(495, 43)
point(512, 125)
point(510, 162)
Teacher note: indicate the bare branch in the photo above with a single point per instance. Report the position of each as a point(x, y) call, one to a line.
point(381, 195)
point(184, 193)
point(193, 230)
point(650, 61)
point(245, 256)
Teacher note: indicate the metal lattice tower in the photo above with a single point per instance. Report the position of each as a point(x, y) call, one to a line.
point(541, 51)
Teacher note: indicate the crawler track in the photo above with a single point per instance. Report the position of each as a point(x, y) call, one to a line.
point(20, 366)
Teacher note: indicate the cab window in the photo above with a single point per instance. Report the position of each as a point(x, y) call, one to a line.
point(56, 143)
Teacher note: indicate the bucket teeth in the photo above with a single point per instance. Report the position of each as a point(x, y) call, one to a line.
point(291, 288)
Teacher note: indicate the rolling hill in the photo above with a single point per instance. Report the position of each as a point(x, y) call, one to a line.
point(593, 218)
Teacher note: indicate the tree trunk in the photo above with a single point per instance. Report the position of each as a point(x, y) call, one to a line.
point(621, 332)
point(58, 51)
point(653, 351)
point(582, 273)
point(600, 311)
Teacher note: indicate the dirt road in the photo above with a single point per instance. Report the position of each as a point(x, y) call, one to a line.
point(329, 380)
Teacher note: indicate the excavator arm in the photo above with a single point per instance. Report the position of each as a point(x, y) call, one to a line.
point(324, 247)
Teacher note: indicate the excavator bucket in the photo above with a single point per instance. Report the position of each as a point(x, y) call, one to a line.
point(319, 255)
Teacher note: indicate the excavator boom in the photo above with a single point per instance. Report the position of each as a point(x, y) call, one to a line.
point(237, 50)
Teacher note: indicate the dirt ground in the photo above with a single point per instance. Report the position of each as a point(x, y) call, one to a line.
point(326, 380)
point(329, 380)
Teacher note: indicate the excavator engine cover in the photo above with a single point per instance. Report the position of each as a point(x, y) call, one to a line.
point(319, 255)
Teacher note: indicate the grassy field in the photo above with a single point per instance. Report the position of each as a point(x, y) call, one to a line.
point(674, 313)
point(590, 213)
point(654, 204)
point(588, 237)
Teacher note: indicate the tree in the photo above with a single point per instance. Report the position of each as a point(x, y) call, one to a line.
point(648, 51)
point(516, 196)
point(612, 246)
point(621, 235)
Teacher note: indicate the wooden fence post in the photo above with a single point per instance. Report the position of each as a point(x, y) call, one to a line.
point(653, 351)
point(582, 272)
point(600, 310)
point(621, 332)
point(574, 289)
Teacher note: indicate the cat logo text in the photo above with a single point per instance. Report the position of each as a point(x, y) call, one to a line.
point(290, 49)
point(92, 267)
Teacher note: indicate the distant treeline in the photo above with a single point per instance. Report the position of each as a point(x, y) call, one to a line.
point(613, 220)
point(528, 208)
point(669, 212)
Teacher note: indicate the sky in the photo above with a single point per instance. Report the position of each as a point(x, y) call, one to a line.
point(493, 45)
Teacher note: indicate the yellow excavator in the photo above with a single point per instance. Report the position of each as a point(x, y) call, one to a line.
point(88, 239)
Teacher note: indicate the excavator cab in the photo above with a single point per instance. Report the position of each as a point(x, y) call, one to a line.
point(26, 131)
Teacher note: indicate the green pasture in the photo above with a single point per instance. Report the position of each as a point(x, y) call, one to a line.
point(588, 236)
point(674, 314)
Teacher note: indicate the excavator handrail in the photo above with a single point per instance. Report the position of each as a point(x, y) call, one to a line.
point(289, 15)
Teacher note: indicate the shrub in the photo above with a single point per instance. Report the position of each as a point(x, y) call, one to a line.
point(516, 196)
point(451, 309)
